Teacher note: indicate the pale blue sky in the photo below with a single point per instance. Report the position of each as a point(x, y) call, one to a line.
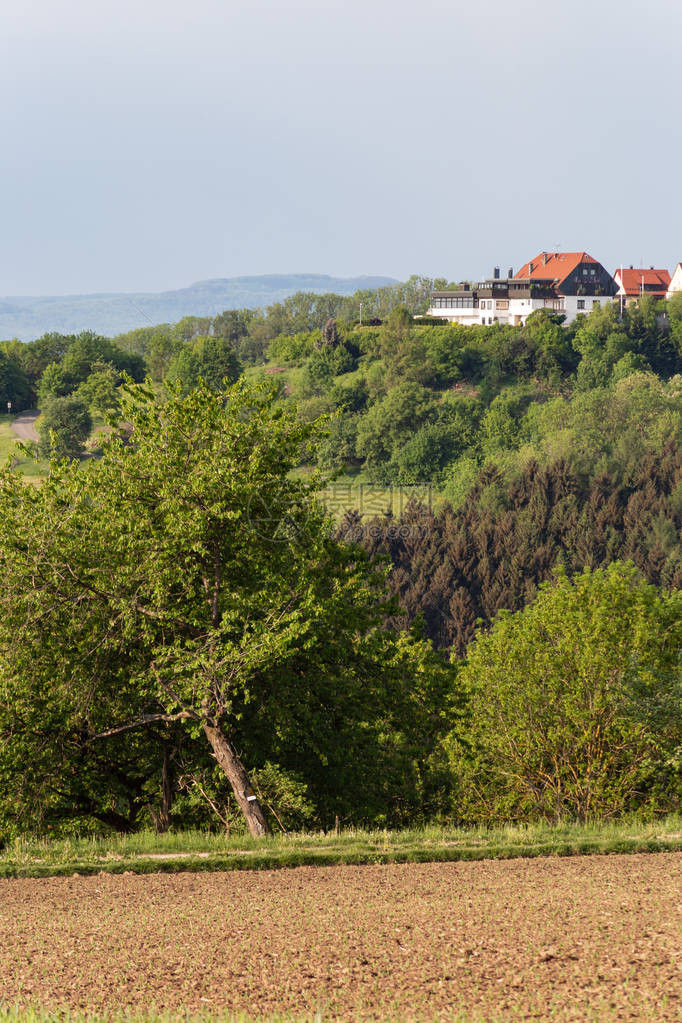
point(146, 145)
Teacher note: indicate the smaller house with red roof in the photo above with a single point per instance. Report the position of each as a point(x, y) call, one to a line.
point(633, 282)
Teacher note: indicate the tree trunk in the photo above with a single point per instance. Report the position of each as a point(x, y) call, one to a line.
point(166, 791)
point(163, 820)
point(226, 756)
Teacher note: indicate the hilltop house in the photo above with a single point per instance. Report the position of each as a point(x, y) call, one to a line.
point(633, 282)
point(563, 282)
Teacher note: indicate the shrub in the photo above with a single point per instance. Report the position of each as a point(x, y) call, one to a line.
point(574, 702)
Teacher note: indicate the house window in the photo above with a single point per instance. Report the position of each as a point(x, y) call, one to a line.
point(596, 304)
point(455, 302)
point(581, 303)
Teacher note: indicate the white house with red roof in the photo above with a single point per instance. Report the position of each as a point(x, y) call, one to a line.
point(675, 281)
point(569, 283)
point(634, 282)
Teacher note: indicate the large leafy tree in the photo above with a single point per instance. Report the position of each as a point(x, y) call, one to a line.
point(88, 349)
point(14, 382)
point(391, 422)
point(186, 580)
point(211, 359)
point(64, 427)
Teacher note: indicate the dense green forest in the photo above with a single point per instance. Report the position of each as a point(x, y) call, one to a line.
point(507, 650)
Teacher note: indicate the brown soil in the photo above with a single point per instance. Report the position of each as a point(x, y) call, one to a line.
point(567, 939)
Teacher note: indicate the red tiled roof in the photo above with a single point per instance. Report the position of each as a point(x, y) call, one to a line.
point(556, 266)
point(655, 281)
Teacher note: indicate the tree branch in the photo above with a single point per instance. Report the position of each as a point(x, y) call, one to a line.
point(146, 719)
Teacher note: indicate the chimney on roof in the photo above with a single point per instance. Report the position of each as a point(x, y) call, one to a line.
point(511, 272)
point(496, 273)
point(631, 267)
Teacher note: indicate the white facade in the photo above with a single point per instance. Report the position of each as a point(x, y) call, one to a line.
point(675, 281)
point(521, 308)
point(470, 315)
point(515, 311)
point(578, 304)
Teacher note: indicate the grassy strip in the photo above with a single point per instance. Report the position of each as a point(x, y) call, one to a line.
point(13, 1014)
point(599, 1012)
point(197, 851)
point(10, 1014)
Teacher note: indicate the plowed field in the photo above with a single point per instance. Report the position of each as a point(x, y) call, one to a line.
point(566, 939)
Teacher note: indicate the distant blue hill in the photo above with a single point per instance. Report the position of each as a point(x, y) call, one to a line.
point(111, 314)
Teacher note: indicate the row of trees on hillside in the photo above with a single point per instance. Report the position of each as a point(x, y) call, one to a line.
point(250, 331)
point(410, 400)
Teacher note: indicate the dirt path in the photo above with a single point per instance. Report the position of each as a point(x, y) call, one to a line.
point(24, 426)
point(566, 939)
